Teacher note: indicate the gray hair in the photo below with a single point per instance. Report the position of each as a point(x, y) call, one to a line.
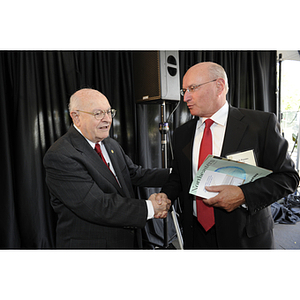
point(74, 102)
point(217, 71)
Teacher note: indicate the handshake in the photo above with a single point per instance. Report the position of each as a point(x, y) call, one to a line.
point(161, 205)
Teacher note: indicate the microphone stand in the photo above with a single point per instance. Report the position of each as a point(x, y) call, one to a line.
point(163, 129)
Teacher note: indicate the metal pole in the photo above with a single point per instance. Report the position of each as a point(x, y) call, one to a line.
point(279, 89)
point(298, 146)
point(163, 128)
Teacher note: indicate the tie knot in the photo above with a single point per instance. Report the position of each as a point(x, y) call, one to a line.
point(208, 123)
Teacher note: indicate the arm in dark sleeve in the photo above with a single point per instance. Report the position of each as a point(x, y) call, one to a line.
point(71, 185)
point(283, 181)
point(145, 177)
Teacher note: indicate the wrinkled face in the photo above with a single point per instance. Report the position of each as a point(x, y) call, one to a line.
point(93, 129)
point(206, 99)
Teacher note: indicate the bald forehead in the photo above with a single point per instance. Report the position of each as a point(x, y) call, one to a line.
point(88, 97)
point(205, 71)
point(200, 66)
point(200, 69)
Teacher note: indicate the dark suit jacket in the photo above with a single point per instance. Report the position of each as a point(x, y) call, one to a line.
point(246, 130)
point(93, 210)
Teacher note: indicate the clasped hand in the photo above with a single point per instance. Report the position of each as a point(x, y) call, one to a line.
point(161, 205)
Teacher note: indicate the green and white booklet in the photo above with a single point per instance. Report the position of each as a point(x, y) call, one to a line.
point(223, 171)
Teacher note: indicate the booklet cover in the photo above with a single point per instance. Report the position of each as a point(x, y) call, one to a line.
point(222, 171)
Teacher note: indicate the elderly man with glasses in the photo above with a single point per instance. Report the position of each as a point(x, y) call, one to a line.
point(91, 180)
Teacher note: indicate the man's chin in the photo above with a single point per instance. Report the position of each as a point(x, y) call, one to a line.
point(103, 136)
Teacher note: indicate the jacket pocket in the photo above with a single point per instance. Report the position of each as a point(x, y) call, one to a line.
point(259, 223)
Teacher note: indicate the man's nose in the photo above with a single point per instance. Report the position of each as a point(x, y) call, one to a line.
point(187, 96)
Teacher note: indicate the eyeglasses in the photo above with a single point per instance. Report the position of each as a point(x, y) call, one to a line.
point(99, 114)
point(193, 88)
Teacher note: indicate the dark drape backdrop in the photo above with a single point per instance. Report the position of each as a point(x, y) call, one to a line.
point(35, 87)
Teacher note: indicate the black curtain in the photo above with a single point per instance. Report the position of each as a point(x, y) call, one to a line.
point(35, 87)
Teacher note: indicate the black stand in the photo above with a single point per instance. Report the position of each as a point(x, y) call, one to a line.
point(163, 129)
point(155, 230)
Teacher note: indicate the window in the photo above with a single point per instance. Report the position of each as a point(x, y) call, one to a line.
point(289, 97)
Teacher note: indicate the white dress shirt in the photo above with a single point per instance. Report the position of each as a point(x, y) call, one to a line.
point(218, 131)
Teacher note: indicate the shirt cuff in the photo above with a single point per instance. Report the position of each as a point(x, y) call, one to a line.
point(150, 210)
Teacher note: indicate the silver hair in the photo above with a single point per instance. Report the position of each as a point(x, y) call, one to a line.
point(217, 71)
point(73, 102)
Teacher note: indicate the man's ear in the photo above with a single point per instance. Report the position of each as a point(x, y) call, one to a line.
point(75, 117)
point(220, 85)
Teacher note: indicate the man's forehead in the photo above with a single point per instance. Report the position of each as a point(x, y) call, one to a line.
point(194, 77)
point(96, 101)
point(198, 70)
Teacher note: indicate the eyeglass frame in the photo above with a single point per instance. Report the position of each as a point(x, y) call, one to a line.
point(110, 112)
point(193, 88)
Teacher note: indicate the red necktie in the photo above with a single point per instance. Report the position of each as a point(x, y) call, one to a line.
point(98, 150)
point(205, 213)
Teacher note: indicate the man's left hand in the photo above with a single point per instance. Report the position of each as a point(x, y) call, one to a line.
point(229, 198)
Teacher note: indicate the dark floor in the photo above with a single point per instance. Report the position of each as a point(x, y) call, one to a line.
point(287, 236)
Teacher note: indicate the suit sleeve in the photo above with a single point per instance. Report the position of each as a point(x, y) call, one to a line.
point(284, 179)
point(72, 186)
point(145, 177)
point(132, 173)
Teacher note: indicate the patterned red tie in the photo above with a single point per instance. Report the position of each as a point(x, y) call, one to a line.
point(205, 213)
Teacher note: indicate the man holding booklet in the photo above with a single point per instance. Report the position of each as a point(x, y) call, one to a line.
point(238, 214)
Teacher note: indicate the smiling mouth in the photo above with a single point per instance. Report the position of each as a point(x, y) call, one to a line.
point(104, 127)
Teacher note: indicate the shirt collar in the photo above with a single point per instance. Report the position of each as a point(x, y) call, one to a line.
point(220, 117)
point(90, 142)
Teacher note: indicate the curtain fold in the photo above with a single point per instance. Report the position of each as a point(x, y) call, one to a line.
point(35, 87)
point(9, 231)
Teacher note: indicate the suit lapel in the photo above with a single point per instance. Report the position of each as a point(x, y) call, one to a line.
point(82, 146)
point(114, 159)
point(235, 130)
point(187, 141)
